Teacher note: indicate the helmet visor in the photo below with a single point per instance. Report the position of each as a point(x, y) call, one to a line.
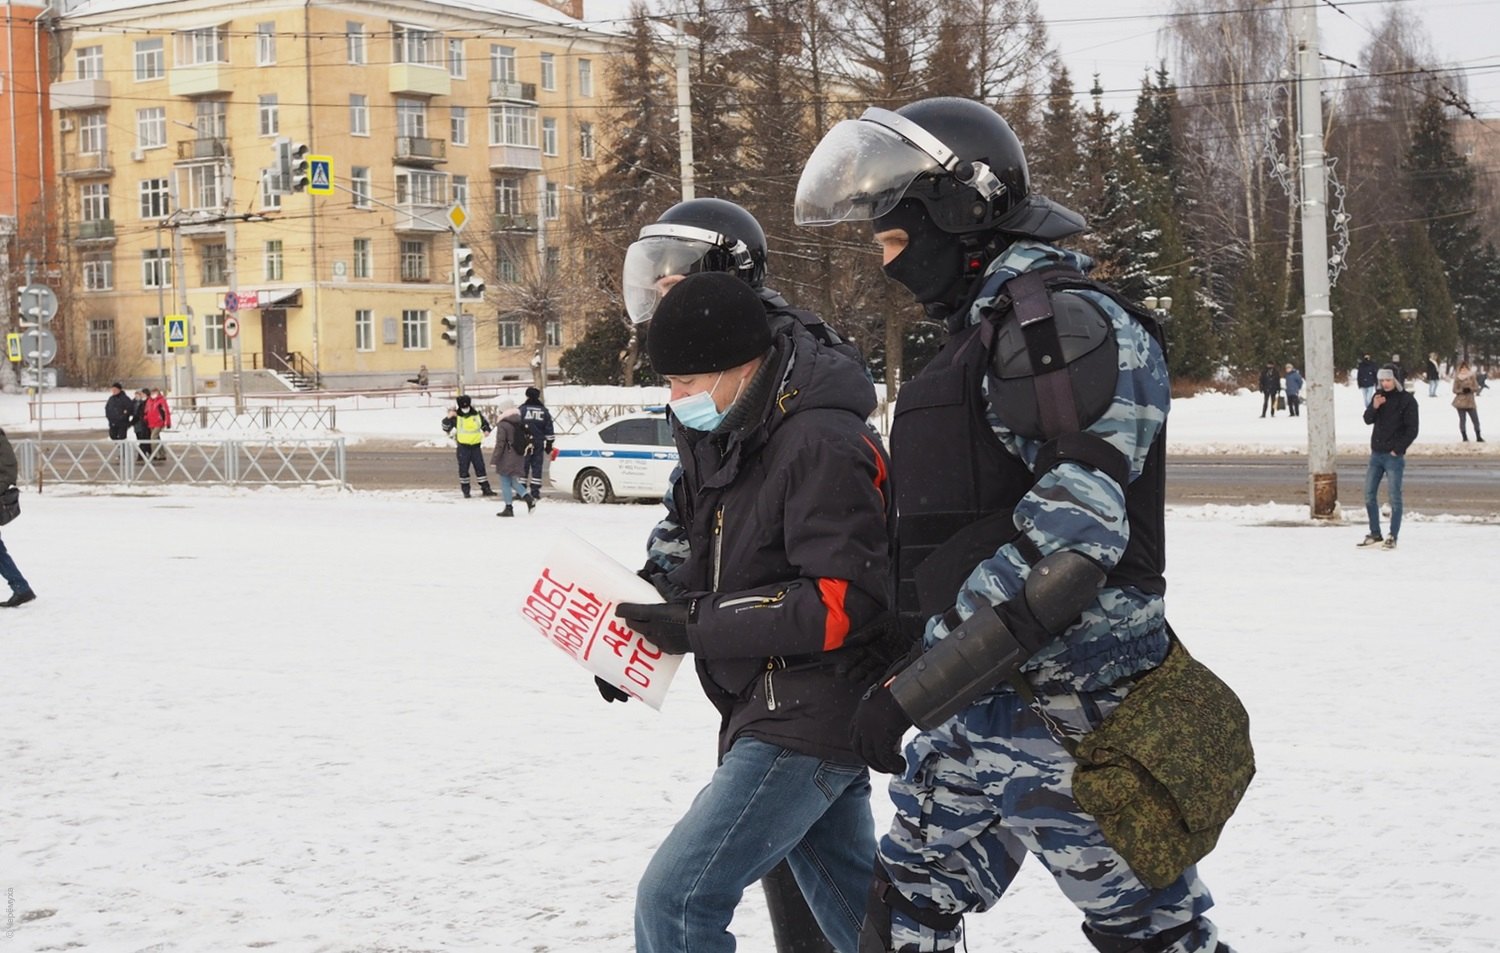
point(857, 173)
point(649, 260)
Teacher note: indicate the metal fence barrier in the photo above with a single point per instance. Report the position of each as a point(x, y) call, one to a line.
point(257, 418)
point(235, 462)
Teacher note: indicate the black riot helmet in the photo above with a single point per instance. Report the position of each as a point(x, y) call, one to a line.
point(955, 156)
point(690, 237)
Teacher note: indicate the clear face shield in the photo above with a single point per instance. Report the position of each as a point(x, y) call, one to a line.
point(857, 173)
point(664, 250)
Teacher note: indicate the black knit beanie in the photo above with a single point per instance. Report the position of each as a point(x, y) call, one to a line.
point(707, 322)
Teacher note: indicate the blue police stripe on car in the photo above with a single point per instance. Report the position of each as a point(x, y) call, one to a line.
point(620, 454)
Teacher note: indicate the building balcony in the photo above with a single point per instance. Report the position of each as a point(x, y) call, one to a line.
point(521, 158)
point(514, 222)
point(420, 79)
point(202, 148)
point(200, 79)
point(415, 150)
point(88, 165)
point(79, 94)
point(202, 221)
point(94, 231)
point(412, 217)
point(508, 91)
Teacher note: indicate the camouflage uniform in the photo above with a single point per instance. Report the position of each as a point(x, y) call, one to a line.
point(994, 782)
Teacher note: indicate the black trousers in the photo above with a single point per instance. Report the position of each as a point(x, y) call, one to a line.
point(118, 431)
point(470, 454)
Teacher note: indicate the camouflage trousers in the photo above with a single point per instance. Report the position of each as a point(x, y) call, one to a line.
point(994, 784)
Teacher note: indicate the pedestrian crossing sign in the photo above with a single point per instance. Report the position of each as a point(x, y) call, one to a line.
point(320, 175)
point(13, 348)
point(176, 331)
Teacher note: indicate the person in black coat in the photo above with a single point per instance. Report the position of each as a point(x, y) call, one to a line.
point(117, 412)
point(1393, 414)
point(138, 423)
point(1270, 386)
point(1364, 377)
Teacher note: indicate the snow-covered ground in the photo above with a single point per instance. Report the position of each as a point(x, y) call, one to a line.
point(312, 721)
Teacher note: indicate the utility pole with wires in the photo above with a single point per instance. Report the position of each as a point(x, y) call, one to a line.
point(684, 113)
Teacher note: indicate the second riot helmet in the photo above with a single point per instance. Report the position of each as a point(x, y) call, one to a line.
point(690, 237)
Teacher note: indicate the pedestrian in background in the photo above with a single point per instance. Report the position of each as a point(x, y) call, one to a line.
point(1393, 413)
point(1432, 374)
point(138, 423)
point(509, 464)
point(1398, 369)
point(1293, 391)
point(20, 590)
point(158, 418)
point(1364, 376)
point(1465, 390)
point(468, 428)
point(1270, 386)
point(117, 412)
point(538, 422)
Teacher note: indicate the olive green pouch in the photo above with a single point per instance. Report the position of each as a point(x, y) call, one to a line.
point(1167, 768)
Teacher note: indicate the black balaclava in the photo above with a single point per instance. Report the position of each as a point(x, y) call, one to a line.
point(933, 265)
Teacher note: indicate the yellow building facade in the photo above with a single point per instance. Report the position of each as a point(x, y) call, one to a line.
point(180, 129)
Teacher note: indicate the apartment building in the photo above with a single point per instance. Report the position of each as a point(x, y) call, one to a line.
point(174, 122)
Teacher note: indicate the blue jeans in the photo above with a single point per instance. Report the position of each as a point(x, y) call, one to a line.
point(10, 573)
point(1383, 464)
point(764, 803)
point(1432, 387)
point(511, 487)
point(1368, 393)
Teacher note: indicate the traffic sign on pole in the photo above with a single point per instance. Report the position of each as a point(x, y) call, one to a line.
point(320, 175)
point(38, 346)
point(176, 331)
point(231, 326)
point(38, 305)
point(13, 347)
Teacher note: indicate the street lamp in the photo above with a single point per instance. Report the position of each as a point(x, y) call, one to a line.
point(1408, 314)
point(1158, 306)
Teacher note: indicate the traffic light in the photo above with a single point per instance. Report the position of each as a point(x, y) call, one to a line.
point(301, 166)
point(450, 329)
point(469, 284)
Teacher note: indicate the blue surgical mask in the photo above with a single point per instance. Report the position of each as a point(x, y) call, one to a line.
point(698, 411)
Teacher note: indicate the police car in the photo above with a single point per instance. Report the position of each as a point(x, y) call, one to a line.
point(627, 457)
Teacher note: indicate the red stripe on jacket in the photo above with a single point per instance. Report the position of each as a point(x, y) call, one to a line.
point(836, 624)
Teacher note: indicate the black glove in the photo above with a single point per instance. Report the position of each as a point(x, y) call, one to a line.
point(547, 445)
point(608, 692)
point(876, 731)
point(864, 663)
point(664, 623)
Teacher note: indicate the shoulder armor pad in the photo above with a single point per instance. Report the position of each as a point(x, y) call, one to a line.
point(1089, 354)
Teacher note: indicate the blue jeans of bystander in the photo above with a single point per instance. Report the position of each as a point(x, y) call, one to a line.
point(1381, 465)
point(10, 573)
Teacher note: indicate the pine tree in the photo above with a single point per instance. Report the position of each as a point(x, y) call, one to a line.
point(1441, 185)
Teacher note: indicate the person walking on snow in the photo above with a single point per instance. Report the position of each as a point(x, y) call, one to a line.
point(1270, 386)
point(1294, 384)
point(1465, 390)
point(20, 590)
point(1393, 413)
point(117, 412)
point(1364, 376)
point(538, 422)
point(1433, 375)
point(509, 464)
point(158, 418)
point(468, 428)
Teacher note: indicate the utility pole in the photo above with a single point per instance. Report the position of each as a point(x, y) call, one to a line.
point(1317, 319)
point(684, 114)
point(179, 288)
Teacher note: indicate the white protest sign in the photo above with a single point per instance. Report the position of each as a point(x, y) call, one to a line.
point(572, 604)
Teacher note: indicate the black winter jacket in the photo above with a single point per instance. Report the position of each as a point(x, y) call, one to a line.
point(9, 468)
point(789, 518)
point(1365, 374)
point(1395, 421)
point(117, 409)
point(138, 419)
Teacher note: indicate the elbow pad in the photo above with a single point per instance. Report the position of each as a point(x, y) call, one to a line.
point(991, 645)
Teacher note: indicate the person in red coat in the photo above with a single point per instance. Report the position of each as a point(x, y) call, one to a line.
point(158, 418)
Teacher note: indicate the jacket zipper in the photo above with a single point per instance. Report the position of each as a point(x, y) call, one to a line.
point(718, 544)
point(772, 664)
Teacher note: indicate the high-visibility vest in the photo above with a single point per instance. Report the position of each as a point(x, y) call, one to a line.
point(470, 428)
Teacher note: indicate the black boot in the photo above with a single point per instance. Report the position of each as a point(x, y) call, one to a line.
point(506, 512)
point(530, 503)
point(465, 488)
point(484, 488)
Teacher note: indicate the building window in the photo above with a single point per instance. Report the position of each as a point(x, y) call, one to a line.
point(150, 59)
point(421, 188)
point(413, 260)
point(354, 42)
point(101, 337)
point(93, 136)
point(274, 263)
point(553, 260)
point(156, 268)
point(215, 261)
point(94, 201)
point(359, 186)
point(213, 332)
point(151, 334)
point(458, 125)
point(415, 333)
point(510, 332)
point(513, 126)
point(550, 205)
point(554, 332)
point(411, 118)
point(503, 64)
point(362, 266)
point(364, 330)
point(155, 198)
point(270, 115)
point(270, 189)
point(90, 62)
point(414, 45)
point(456, 59)
point(549, 72)
point(508, 196)
point(506, 268)
point(359, 114)
point(585, 140)
point(585, 77)
point(203, 186)
point(208, 45)
point(211, 118)
point(151, 127)
point(461, 190)
point(98, 273)
point(549, 137)
point(265, 44)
